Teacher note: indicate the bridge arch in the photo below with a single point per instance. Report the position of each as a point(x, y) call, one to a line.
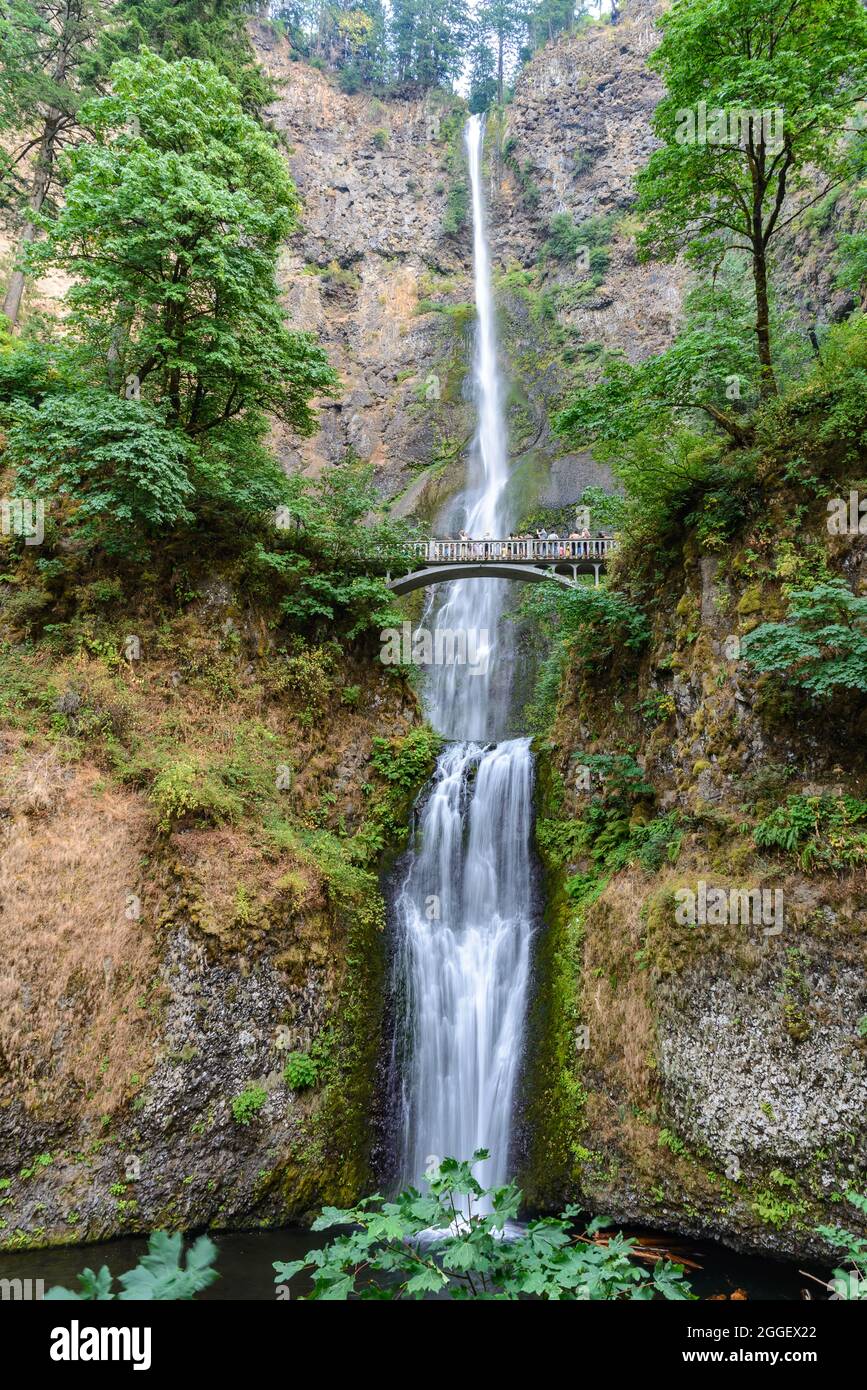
point(483, 569)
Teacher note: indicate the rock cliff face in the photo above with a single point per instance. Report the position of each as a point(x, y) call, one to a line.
point(719, 1067)
point(180, 918)
point(577, 133)
point(382, 269)
point(375, 180)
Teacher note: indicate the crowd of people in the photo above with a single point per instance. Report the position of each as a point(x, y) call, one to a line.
point(525, 545)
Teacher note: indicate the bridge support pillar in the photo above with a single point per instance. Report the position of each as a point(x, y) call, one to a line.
point(596, 569)
point(574, 574)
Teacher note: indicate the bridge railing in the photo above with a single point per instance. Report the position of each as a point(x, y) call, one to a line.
point(527, 551)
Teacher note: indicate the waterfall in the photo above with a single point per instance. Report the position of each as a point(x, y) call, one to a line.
point(464, 909)
point(461, 705)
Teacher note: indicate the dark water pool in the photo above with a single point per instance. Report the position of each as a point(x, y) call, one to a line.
point(245, 1259)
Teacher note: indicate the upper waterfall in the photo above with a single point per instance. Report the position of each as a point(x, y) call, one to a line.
point(460, 704)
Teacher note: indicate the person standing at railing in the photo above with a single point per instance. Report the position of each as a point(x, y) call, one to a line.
point(585, 544)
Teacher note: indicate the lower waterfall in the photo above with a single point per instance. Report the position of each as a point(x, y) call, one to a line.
point(464, 917)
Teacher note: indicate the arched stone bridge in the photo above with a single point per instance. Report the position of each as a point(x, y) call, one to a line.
point(530, 561)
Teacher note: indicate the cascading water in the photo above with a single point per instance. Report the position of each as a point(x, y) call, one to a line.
point(462, 705)
point(465, 907)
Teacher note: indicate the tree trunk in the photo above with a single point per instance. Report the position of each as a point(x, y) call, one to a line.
point(47, 152)
point(114, 356)
point(768, 382)
point(38, 194)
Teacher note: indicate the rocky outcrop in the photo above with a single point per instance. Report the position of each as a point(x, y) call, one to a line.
point(577, 133)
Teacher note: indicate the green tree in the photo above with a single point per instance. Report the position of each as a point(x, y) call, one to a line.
point(121, 469)
point(549, 18)
point(757, 99)
point(482, 75)
point(174, 213)
point(504, 21)
point(312, 567)
point(213, 30)
point(710, 370)
point(428, 40)
point(45, 73)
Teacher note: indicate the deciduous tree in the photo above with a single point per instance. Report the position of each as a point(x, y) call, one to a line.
point(757, 98)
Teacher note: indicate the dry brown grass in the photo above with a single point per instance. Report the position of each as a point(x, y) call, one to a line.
point(616, 995)
point(81, 741)
point(74, 965)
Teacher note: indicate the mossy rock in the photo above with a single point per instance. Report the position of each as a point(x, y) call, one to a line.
point(750, 601)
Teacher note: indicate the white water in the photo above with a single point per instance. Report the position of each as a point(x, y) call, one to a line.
point(465, 908)
point(463, 706)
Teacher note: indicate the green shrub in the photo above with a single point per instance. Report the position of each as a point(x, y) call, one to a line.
point(246, 1106)
point(160, 1275)
point(300, 1072)
point(850, 1282)
point(820, 830)
point(821, 645)
point(670, 1141)
point(598, 621)
point(407, 761)
point(182, 789)
point(117, 463)
point(457, 209)
point(567, 238)
point(385, 1259)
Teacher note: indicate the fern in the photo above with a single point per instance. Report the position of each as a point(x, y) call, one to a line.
point(822, 644)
